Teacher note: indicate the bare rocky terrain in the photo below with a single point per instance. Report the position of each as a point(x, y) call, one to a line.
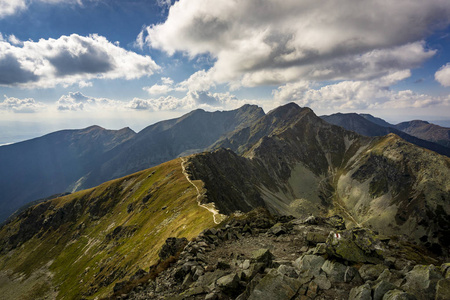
point(258, 256)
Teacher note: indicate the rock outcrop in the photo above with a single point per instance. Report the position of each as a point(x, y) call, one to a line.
point(246, 258)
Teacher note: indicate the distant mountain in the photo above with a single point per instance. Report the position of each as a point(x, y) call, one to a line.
point(426, 131)
point(417, 128)
point(376, 120)
point(70, 160)
point(362, 125)
point(52, 164)
point(166, 140)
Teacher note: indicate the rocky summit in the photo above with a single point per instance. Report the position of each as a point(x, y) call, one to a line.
point(259, 256)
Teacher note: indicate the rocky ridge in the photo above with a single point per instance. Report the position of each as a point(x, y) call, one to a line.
point(259, 256)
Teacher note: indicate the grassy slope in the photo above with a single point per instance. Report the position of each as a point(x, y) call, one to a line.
point(85, 257)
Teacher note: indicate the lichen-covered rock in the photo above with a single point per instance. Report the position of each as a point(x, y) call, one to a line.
point(371, 272)
point(443, 289)
point(421, 281)
point(381, 288)
point(445, 269)
point(309, 265)
point(262, 256)
point(357, 245)
point(398, 295)
point(229, 284)
point(362, 292)
point(337, 272)
point(275, 286)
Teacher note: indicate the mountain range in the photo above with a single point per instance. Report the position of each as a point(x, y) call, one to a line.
point(420, 133)
point(71, 160)
point(288, 162)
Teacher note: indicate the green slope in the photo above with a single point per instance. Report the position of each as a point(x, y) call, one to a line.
point(87, 241)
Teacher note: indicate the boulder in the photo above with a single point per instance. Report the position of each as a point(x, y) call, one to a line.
point(262, 256)
point(337, 272)
point(229, 284)
point(398, 295)
point(445, 269)
point(356, 245)
point(381, 288)
point(443, 289)
point(275, 286)
point(421, 281)
point(371, 272)
point(309, 265)
point(362, 292)
point(277, 229)
point(315, 237)
point(287, 271)
point(171, 247)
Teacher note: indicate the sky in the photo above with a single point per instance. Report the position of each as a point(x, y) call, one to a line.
point(76, 63)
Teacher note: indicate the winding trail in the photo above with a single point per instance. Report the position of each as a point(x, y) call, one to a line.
point(210, 206)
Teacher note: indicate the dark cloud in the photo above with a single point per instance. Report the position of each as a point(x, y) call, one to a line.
point(91, 61)
point(12, 73)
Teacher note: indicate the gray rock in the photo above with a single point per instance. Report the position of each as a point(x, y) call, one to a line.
point(275, 286)
point(262, 256)
point(250, 287)
point(321, 248)
point(362, 292)
point(398, 295)
point(315, 237)
point(246, 264)
point(229, 284)
point(421, 281)
point(322, 281)
point(443, 289)
point(277, 229)
point(337, 272)
point(445, 269)
point(188, 280)
point(309, 264)
point(382, 288)
point(287, 271)
point(371, 272)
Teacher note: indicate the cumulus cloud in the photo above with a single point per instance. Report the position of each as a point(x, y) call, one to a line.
point(443, 75)
point(356, 94)
point(28, 105)
point(77, 101)
point(69, 60)
point(256, 42)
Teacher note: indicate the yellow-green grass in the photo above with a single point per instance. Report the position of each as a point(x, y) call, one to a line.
point(86, 258)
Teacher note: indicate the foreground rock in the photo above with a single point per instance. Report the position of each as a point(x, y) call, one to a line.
point(249, 257)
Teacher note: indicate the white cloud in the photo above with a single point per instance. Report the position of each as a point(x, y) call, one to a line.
point(357, 95)
point(199, 81)
point(9, 7)
point(158, 89)
point(69, 60)
point(260, 42)
point(28, 105)
point(443, 75)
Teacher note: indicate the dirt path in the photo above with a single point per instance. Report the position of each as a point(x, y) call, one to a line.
point(209, 206)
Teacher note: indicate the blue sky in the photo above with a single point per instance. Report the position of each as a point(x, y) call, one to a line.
point(74, 63)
